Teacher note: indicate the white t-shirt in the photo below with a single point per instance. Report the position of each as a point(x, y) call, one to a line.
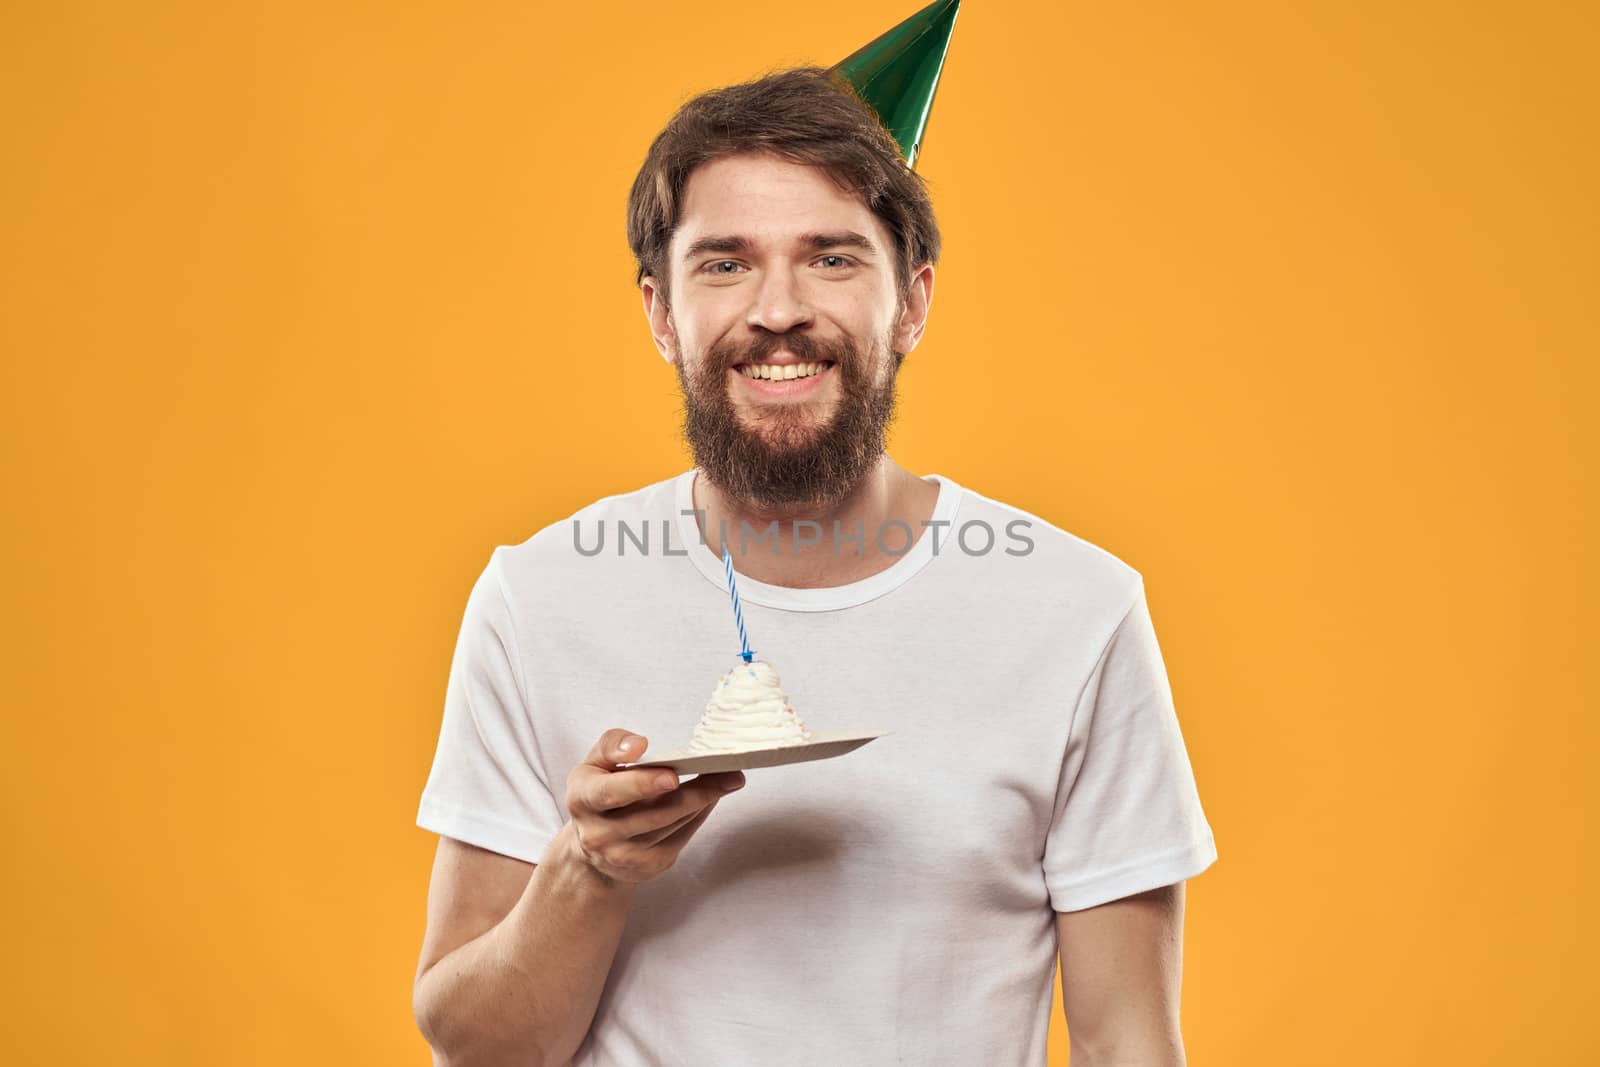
point(893, 905)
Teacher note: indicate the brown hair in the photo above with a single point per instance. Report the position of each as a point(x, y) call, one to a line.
point(804, 115)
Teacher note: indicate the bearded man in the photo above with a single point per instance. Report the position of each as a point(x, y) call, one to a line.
point(905, 903)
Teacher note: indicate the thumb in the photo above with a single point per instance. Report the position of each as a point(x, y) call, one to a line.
point(616, 746)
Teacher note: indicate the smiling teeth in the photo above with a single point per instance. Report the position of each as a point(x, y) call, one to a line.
point(783, 373)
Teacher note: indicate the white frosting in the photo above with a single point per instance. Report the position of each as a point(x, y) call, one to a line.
point(748, 709)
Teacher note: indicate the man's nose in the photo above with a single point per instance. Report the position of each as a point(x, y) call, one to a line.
point(780, 303)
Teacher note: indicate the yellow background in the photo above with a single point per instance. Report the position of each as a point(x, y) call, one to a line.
point(307, 307)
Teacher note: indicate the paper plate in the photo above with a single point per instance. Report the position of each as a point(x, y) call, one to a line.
point(823, 745)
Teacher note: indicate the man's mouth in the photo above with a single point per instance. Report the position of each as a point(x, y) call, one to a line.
point(780, 372)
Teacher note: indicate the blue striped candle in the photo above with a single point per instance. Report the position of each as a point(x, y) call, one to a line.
point(738, 615)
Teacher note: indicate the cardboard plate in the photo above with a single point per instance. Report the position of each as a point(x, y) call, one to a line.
point(823, 745)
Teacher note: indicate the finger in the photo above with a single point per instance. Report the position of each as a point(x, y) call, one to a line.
point(593, 790)
point(648, 819)
point(725, 781)
point(646, 840)
point(616, 746)
point(589, 788)
point(680, 837)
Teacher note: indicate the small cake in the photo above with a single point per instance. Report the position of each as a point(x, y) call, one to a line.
point(748, 710)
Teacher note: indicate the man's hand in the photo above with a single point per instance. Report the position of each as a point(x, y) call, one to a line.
point(630, 825)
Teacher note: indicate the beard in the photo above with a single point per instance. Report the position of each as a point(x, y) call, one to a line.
point(786, 458)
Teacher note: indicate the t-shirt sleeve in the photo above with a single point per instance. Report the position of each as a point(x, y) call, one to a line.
point(488, 786)
point(1127, 815)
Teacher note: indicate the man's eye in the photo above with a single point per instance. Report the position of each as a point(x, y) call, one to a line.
point(843, 261)
point(712, 267)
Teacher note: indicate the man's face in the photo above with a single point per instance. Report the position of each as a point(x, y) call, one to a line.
point(783, 327)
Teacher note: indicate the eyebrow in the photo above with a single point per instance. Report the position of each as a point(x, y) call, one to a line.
point(816, 242)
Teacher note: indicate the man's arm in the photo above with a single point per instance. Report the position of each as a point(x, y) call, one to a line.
point(1121, 969)
point(516, 954)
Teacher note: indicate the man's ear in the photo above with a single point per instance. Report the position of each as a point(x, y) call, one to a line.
point(909, 326)
point(659, 312)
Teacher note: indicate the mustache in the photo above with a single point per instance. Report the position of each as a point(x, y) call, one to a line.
point(804, 346)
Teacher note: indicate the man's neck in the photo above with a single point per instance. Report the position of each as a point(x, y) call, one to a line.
point(796, 546)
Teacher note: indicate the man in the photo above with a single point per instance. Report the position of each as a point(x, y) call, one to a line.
point(903, 903)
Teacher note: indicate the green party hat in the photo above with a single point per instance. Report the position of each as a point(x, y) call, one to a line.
point(898, 72)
